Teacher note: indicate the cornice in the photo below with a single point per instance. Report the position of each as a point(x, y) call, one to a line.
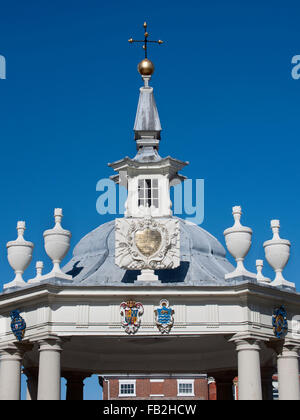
point(46, 291)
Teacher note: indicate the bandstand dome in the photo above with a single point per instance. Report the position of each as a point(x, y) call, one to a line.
point(202, 259)
point(187, 310)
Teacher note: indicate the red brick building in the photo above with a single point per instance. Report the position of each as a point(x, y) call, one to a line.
point(157, 387)
point(173, 387)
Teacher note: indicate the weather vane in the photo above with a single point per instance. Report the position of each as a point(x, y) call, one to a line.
point(145, 67)
point(146, 40)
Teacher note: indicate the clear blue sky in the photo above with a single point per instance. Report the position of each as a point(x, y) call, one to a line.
point(224, 90)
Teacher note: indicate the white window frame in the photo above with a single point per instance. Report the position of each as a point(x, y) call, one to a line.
point(127, 382)
point(188, 382)
point(150, 178)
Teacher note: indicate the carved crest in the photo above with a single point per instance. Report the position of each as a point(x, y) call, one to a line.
point(279, 322)
point(18, 324)
point(147, 243)
point(131, 313)
point(164, 317)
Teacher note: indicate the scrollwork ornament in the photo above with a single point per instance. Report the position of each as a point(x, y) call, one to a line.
point(146, 243)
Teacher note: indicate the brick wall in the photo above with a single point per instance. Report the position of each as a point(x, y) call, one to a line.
point(157, 390)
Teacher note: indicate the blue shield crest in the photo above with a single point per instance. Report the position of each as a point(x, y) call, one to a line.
point(279, 322)
point(164, 317)
point(18, 324)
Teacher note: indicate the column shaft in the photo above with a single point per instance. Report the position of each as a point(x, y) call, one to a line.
point(288, 374)
point(10, 373)
point(249, 376)
point(49, 370)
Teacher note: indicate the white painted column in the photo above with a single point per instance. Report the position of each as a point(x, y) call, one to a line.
point(288, 371)
point(249, 375)
point(49, 369)
point(10, 372)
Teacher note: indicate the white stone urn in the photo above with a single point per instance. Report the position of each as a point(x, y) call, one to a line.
point(259, 276)
point(277, 253)
point(19, 255)
point(57, 244)
point(39, 269)
point(238, 242)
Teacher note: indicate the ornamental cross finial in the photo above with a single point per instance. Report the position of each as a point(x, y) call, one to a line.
point(146, 40)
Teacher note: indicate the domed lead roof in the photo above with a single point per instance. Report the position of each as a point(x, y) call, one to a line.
point(202, 258)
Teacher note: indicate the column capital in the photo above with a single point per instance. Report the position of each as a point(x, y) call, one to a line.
point(50, 342)
point(13, 351)
point(285, 348)
point(248, 341)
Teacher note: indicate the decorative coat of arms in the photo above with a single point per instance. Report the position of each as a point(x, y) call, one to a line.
point(18, 324)
point(131, 313)
point(164, 317)
point(279, 322)
point(147, 243)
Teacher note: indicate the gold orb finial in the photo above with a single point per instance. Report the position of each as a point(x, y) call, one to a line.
point(146, 67)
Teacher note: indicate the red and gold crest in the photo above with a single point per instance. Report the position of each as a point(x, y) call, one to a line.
point(131, 313)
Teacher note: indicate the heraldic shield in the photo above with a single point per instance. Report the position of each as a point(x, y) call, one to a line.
point(164, 317)
point(18, 325)
point(279, 322)
point(131, 313)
